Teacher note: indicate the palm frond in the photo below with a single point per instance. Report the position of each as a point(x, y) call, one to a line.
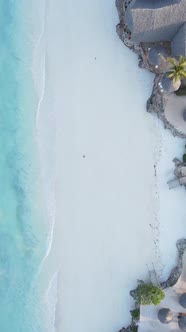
point(176, 69)
point(173, 61)
point(182, 61)
point(171, 71)
point(183, 73)
point(171, 75)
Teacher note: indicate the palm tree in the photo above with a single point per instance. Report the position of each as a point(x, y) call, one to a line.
point(176, 70)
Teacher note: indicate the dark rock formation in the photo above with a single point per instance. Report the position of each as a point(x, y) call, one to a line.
point(176, 271)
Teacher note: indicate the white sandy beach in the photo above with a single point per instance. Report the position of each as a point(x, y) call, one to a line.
point(110, 208)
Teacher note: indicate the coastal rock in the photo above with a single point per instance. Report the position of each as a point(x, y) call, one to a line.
point(120, 8)
point(133, 293)
point(131, 328)
point(176, 271)
point(123, 330)
point(157, 103)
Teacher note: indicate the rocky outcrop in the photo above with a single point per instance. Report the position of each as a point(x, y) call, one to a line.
point(156, 104)
point(131, 328)
point(176, 271)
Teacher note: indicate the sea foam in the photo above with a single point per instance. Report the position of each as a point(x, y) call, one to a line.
point(45, 130)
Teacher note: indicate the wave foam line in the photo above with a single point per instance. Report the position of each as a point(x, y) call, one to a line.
point(40, 44)
point(40, 66)
point(51, 299)
point(39, 70)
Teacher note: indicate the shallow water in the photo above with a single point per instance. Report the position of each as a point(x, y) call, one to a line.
point(22, 230)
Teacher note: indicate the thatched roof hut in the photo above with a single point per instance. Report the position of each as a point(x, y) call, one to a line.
point(152, 21)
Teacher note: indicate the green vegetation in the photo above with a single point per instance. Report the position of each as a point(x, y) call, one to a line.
point(134, 329)
point(184, 158)
point(149, 294)
point(177, 70)
point(135, 314)
point(184, 155)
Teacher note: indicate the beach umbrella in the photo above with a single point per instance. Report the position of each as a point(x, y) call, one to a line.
point(182, 323)
point(165, 315)
point(182, 299)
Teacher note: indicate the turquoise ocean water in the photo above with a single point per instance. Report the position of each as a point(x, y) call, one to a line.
point(22, 230)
